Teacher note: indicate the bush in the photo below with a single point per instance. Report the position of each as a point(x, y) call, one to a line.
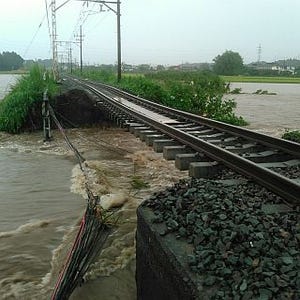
point(29, 89)
point(293, 136)
point(196, 92)
point(144, 88)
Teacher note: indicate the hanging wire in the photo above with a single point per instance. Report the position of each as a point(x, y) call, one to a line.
point(78, 21)
point(95, 227)
point(48, 22)
point(96, 25)
point(34, 36)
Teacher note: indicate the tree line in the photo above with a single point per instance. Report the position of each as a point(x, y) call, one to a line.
point(10, 61)
point(231, 63)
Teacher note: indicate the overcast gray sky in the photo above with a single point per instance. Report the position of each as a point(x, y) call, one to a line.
point(158, 31)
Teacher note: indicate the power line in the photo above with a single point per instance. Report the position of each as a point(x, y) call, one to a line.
point(78, 22)
point(34, 36)
point(48, 21)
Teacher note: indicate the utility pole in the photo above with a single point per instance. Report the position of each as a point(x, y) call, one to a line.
point(69, 50)
point(54, 44)
point(54, 37)
point(80, 40)
point(70, 56)
point(119, 38)
point(118, 13)
point(46, 117)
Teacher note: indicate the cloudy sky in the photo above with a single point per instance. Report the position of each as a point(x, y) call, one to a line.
point(156, 31)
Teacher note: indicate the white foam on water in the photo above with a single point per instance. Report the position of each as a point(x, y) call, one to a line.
point(109, 201)
point(26, 228)
point(78, 181)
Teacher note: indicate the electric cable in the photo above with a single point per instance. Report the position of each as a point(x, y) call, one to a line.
point(34, 36)
point(94, 229)
point(48, 22)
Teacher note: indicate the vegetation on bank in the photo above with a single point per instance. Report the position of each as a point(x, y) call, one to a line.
point(14, 72)
point(261, 79)
point(24, 98)
point(293, 136)
point(196, 92)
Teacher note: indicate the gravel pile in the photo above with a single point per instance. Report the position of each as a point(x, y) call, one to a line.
point(242, 252)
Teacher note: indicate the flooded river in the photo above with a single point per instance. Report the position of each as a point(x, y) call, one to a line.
point(42, 199)
point(270, 114)
point(6, 82)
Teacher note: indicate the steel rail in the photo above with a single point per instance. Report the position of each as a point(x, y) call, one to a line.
point(272, 142)
point(289, 190)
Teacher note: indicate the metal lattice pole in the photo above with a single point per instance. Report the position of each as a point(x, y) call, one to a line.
point(54, 43)
point(46, 117)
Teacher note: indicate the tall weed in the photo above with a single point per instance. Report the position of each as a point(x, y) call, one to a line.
point(28, 90)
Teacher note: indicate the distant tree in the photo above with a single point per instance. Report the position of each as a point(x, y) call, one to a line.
point(1, 62)
point(229, 63)
point(143, 68)
point(160, 68)
point(10, 61)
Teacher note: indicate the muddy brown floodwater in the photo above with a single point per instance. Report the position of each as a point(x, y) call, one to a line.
point(42, 196)
point(269, 114)
point(114, 158)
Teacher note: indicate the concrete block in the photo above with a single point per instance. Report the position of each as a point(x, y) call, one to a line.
point(162, 271)
point(158, 145)
point(135, 125)
point(182, 161)
point(204, 169)
point(150, 138)
point(137, 130)
point(144, 133)
point(170, 152)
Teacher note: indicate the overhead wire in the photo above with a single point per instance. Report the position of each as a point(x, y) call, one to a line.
point(48, 22)
point(34, 36)
point(77, 22)
point(99, 22)
point(94, 230)
point(30, 44)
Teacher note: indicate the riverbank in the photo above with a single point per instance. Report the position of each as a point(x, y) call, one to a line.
point(14, 72)
point(261, 79)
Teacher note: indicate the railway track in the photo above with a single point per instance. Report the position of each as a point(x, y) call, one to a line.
point(264, 159)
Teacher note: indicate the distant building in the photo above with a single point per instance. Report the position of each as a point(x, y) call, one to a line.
point(273, 66)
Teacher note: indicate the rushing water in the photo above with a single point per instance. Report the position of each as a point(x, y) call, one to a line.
point(42, 201)
point(39, 214)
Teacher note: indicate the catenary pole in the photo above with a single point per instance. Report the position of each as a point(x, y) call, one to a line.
point(54, 44)
point(117, 11)
point(80, 40)
point(119, 38)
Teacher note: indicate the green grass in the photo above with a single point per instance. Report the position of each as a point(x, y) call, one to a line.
point(14, 72)
point(200, 93)
point(293, 136)
point(25, 95)
point(260, 79)
point(138, 183)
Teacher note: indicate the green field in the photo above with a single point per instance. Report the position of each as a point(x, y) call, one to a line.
point(14, 72)
point(261, 79)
